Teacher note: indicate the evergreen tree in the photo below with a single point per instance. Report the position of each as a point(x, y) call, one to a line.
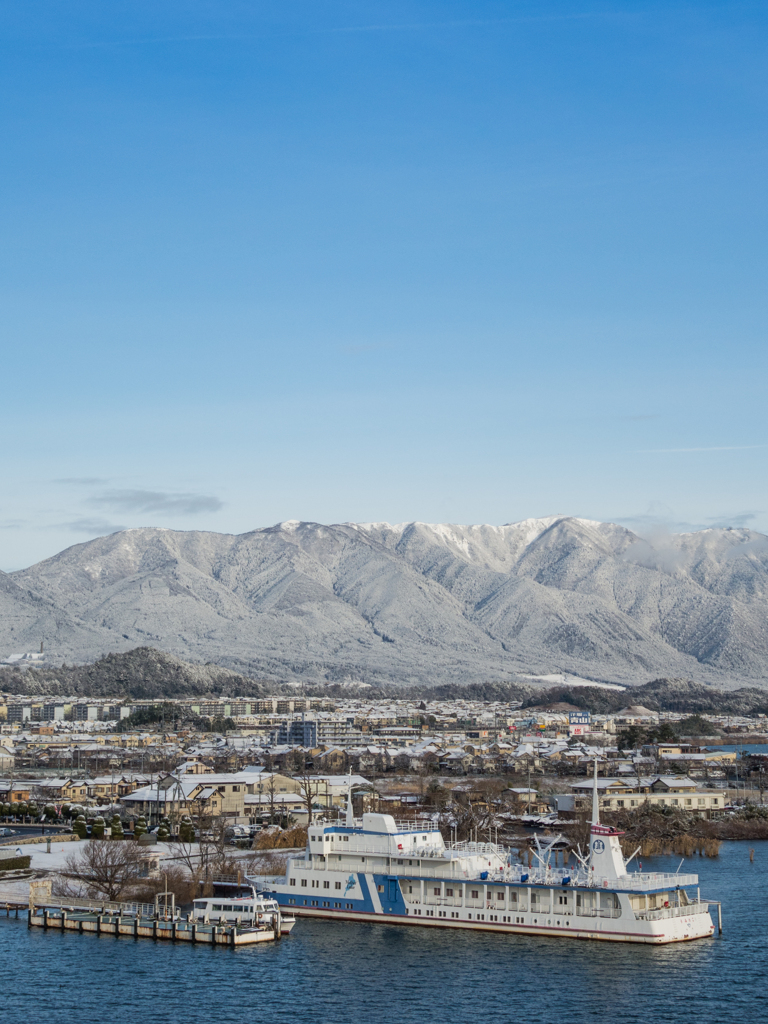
point(140, 828)
point(97, 828)
point(186, 830)
point(79, 826)
point(117, 827)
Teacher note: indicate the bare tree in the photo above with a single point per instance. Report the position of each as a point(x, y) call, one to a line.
point(309, 789)
point(104, 869)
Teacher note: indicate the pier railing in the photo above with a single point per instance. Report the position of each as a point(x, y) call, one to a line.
point(100, 906)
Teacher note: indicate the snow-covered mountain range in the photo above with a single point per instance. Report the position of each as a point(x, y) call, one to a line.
point(415, 602)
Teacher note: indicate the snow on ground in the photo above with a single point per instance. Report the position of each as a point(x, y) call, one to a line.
point(564, 679)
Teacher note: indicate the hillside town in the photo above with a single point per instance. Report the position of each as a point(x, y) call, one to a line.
point(284, 759)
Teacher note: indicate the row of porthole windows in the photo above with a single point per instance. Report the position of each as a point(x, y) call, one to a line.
point(315, 884)
point(325, 903)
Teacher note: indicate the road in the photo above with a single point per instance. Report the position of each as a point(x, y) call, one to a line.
point(27, 831)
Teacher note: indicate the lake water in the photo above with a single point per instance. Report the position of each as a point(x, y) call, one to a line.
point(336, 973)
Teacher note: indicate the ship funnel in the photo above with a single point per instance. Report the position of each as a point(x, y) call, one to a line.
point(606, 859)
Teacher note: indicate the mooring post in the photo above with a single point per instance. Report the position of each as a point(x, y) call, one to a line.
point(45, 919)
point(98, 924)
point(63, 920)
point(719, 919)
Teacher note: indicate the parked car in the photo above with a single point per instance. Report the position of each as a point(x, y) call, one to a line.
point(7, 832)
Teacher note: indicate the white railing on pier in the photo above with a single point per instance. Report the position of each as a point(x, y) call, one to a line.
point(102, 906)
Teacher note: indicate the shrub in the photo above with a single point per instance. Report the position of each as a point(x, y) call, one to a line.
point(14, 864)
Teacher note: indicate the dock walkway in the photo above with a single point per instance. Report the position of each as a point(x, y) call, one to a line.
point(136, 927)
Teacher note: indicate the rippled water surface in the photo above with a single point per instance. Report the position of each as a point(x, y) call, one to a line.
point(334, 973)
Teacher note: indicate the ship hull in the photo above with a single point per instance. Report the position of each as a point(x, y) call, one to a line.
point(679, 930)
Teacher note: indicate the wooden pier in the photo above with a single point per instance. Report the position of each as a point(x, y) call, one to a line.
point(133, 920)
point(175, 930)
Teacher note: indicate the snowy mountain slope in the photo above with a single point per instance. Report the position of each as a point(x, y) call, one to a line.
point(412, 602)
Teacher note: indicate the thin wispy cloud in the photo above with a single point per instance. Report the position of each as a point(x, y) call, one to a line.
point(713, 448)
point(93, 527)
point(739, 520)
point(417, 26)
point(13, 524)
point(81, 481)
point(185, 504)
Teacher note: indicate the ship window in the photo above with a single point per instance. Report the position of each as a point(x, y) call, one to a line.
point(449, 892)
point(499, 895)
point(380, 888)
point(473, 894)
point(436, 891)
point(346, 839)
point(216, 906)
point(513, 897)
point(326, 885)
point(304, 883)
point(337, 885)
point(292, 881)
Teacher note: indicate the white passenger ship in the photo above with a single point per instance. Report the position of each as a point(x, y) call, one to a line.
point(377, 869)
point(255, 911)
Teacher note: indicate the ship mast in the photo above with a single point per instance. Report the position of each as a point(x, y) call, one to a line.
point(350, 820)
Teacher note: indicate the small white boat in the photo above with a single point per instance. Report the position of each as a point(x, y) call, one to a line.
point(254, 911)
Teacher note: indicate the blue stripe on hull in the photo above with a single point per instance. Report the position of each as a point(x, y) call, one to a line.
point(394, 906)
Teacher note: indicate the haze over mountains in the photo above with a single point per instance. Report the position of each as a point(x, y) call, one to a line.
point(414, 603)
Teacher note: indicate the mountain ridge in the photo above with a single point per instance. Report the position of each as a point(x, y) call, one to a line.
point(413, 603)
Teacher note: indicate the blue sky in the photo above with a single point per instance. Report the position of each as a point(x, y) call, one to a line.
point(447, 261)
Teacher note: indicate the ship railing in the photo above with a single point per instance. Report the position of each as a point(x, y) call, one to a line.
point(467, 848)
point(353, 850)
point(678, 910)
point(644, 881)
point(609, 912)
point(409, 825)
